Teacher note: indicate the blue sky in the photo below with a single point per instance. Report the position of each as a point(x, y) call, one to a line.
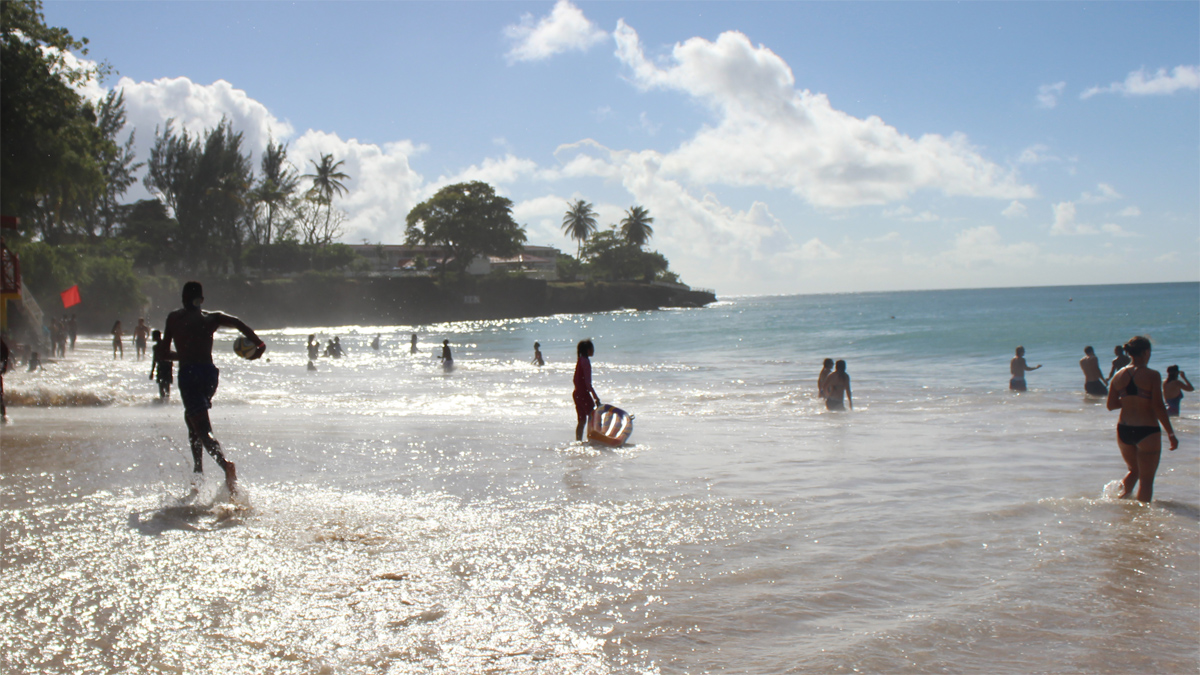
point(782, 147)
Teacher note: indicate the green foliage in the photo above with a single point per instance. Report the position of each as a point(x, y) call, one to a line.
point(50, 167)
point(154, 234)
point(567, 267)
point(466, 220)
point(206, 181)
point(635, 226)
point(609, 256)
point(104, 273)
point(290, 256)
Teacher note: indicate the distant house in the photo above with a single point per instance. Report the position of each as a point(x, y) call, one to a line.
point(537, 262)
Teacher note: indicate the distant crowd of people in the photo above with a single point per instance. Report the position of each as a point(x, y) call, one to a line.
point(1144, 400)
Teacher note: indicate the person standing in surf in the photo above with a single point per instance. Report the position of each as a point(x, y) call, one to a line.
point(823, 376)
point(1173, 389)
point(584, 395)
point(1137, 392)
point(192, 328)
point(1118, 363)
point(161, 368)
point(537, 355)
point(1093, 379)
point(140, 333)
point(118, 345)
point(836, 384)
point(1018, 368)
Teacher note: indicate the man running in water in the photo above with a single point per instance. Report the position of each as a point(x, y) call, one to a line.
point(192, 330)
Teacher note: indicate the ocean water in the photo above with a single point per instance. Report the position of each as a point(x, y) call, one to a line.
point(395, 518)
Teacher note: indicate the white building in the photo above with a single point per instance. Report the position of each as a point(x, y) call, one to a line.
point(537, 262)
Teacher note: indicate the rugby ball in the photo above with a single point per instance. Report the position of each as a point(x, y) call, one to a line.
point(246, 349)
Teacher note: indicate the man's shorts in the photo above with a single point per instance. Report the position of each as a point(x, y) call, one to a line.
point(197, 386)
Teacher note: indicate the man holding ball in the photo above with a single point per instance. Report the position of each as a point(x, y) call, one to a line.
point(192, 330)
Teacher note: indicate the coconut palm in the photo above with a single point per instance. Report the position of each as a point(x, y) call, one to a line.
point(635, 226)
point(579, 222)
point(327, 183)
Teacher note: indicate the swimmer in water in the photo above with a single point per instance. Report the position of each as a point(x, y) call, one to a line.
point(1118, 363)
point(1173, 389)
point(836, 384)
point(1138, 393)
point(140, 332)
point(1018, 368)
point(537, 355)
point(1093, 379)
point(823, 376)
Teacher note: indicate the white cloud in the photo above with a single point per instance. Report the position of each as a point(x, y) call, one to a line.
point(1015, 210)
point(769, 134)
point(1161, 83)
point(1047, 96)
point(1130, 212)
point(1065, 223)
point(983, 246)
point(1104, 193)
point(1036, 154)
point(908, 215)
point(198, 108)
point(1116, 230)
point(382, 187)
point(565, 29)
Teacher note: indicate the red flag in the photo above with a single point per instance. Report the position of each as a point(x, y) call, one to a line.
point(71, 297)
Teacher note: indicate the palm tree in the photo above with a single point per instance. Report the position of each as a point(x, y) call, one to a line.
point(635, 226)
point(327, 183)
point(580, 222)
point(279, 181)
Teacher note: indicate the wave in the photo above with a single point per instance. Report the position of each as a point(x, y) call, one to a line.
point(45, 397)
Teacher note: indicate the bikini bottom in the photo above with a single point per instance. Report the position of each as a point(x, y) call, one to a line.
point(1132, 435)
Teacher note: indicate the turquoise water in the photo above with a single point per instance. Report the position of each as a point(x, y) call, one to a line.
point(396, 518)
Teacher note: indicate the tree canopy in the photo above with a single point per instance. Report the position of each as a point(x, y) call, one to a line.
point(52, 152)
point(635, 226)
point(466, 220)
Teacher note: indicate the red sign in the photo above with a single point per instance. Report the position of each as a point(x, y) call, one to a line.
point(70, 297)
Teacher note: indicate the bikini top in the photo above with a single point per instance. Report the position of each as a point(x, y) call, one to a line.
point(1132, 389)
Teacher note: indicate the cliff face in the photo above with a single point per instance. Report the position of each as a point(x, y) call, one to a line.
point(315, 301)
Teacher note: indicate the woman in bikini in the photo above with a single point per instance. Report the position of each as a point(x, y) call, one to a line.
point(1137, 392)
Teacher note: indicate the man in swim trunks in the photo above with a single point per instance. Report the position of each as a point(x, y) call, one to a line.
point(192, 331)
point(140, 333)
point(1093, 379)
point(836, 384)
point(1018, 368)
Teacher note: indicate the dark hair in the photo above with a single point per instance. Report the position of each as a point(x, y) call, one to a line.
point(841, 365)
point(1172, 372)
point(157, 335)
point(191, 291)
point(1089, 351)
point(828, 363)
point(585, 348)
point(1118, 350)
point(536, 345)
point(1137, 345)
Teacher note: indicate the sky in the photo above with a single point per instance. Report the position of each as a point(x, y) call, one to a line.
point(781, 147)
